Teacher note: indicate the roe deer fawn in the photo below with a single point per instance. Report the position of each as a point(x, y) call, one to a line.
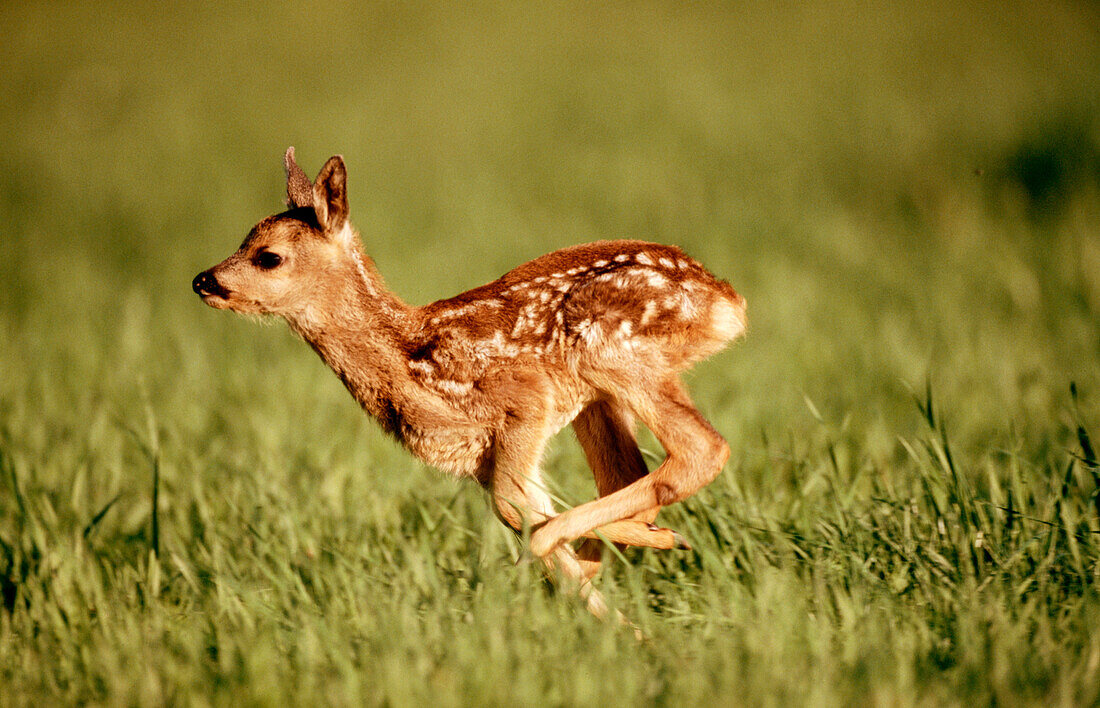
point(476, 385)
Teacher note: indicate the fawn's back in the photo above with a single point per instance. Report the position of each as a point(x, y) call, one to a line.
point(611, 307)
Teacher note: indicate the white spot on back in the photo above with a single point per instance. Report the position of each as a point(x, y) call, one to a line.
point(644, 258)
point(588, 331)
point(459, 388)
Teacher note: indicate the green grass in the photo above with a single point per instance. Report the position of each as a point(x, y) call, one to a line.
point(193, 511)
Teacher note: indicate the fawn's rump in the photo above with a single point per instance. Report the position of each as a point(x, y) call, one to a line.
point(644, 317)
point(727, 314)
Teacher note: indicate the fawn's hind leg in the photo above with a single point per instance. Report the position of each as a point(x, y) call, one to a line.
point(605, 431)
point(696, 454)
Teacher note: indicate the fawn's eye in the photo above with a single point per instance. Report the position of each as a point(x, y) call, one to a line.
point(267, 260)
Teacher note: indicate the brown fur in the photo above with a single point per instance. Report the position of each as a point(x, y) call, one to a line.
point(595, 334)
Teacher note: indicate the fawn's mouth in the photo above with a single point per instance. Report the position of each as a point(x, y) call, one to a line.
point(218, 302)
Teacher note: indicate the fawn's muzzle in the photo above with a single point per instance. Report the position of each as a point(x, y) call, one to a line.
point(206, 284)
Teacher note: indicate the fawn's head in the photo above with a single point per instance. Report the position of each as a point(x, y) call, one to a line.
point(290, 263)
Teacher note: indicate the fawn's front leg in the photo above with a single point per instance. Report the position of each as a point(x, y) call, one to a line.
point(520, 501)
point(696, 454)
point(605, 431)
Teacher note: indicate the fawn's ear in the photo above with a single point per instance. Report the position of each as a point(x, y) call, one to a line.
point(330, 195)
point(299, 190)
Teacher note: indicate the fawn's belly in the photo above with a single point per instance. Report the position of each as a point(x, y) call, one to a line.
point(464, 452)
point(465, 447)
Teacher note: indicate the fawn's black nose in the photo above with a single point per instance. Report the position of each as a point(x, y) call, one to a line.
point(206, 284)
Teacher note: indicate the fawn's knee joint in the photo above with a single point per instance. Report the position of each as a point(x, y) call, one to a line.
point(711, 457)
point(720, 454)
point(723, 451)
point(665, 494)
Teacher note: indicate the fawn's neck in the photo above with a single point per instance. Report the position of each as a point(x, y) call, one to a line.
point(359, 329)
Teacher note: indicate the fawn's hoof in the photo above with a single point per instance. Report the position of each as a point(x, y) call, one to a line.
point(680, 542)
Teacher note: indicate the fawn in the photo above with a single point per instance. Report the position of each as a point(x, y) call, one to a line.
point(594, 335)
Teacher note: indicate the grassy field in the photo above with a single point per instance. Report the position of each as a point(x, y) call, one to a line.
point(193, 511)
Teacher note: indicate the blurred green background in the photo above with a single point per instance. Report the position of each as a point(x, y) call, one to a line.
point(908, 194)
